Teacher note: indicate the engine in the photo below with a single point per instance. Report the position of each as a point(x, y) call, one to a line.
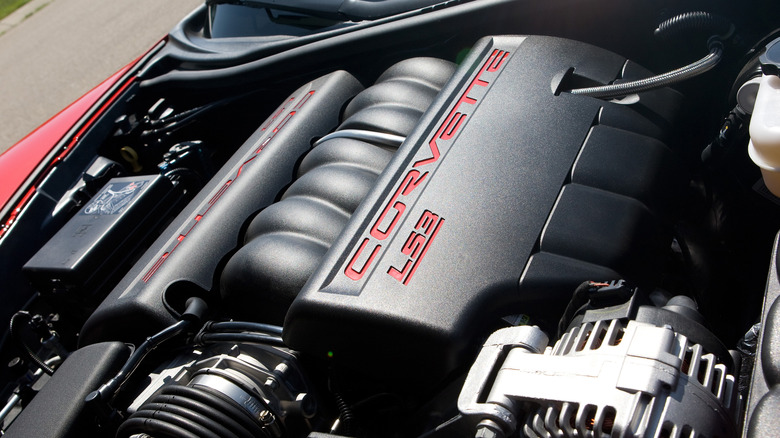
point(447, 241)
point(448, 249)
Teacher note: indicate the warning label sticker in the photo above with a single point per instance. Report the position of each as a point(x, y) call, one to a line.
point(113, 198)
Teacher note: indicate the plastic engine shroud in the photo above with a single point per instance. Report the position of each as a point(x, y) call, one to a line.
point(498, 203)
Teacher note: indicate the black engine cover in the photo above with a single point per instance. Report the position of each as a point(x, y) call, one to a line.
point(507, 195)
point(184, 260)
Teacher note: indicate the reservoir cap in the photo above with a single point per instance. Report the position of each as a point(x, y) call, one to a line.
point(770, 59)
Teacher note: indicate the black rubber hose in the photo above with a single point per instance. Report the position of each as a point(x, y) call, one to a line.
point(197, 411)
point(195, 310)
point(16, 334)
point(718, 29)
point(217, 403)
point(227, 326)
point(185, 172)
point(152, 427)
point(623, 89)
point(249, 338)
point(114, 385)
point(698, 21)
point(177, 414)
point(187, 424)
point(202, 410)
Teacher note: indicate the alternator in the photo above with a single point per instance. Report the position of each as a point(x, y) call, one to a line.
point(606, 378)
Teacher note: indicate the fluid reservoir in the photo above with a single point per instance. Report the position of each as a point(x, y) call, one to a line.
point(764, 148)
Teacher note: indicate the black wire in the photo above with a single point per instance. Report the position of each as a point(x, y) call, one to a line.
point(185, 172)
point(346, 416)
point(176, 117)
point(579, 298)
point(109, 389)
point(442, 428)
point(26, 351)
point(7, 335)
point(185, 117)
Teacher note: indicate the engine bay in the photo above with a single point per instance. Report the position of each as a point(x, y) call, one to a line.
point(479, 218)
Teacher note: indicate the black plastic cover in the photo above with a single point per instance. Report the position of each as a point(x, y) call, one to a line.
point(763, 403)
point(187, 256)
point(763, 422)
point(285, 242)
point(124, 210)
point(497, 204)
point(59, 410)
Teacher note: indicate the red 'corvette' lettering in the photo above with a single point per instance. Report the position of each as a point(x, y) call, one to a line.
point(227, 184)
point(355, 274)
point(456, 118)
point(419, 241)
point(412, 180)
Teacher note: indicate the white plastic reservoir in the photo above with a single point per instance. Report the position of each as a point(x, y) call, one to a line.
point(764, 148)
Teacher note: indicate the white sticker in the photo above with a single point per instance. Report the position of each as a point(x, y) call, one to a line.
point(113, 198)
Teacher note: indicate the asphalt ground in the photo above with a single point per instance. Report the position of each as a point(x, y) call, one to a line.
point(54, 51)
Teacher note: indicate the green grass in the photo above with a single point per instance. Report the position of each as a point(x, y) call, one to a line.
point(8, 6)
